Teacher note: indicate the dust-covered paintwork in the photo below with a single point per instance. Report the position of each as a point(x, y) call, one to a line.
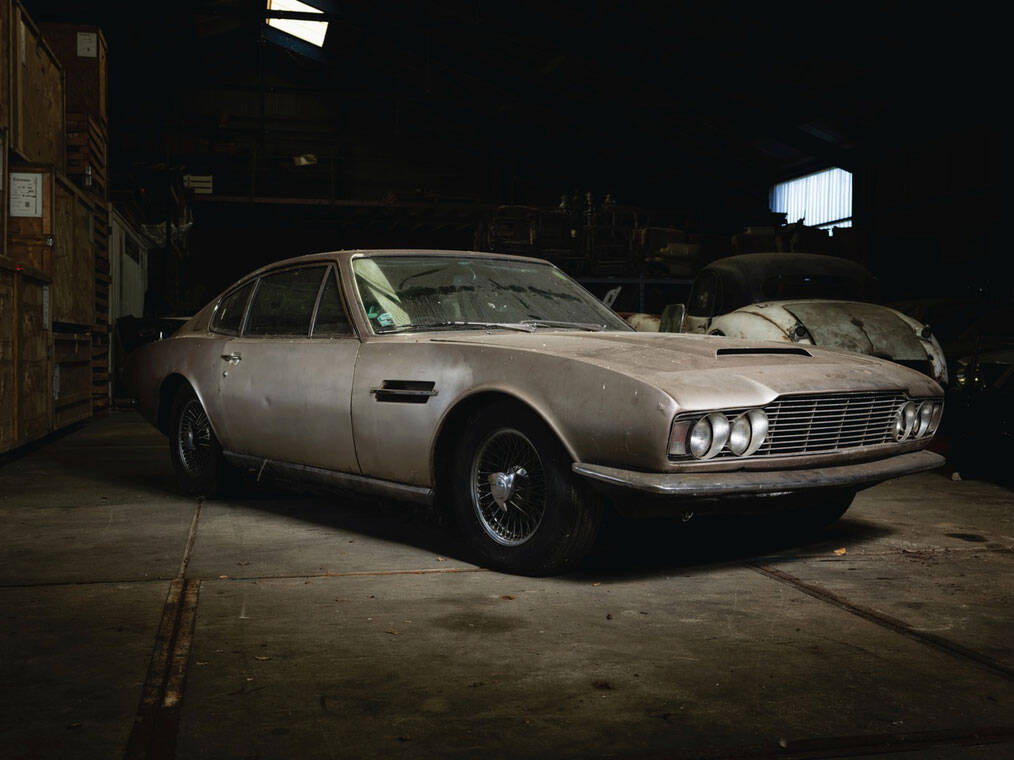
point(610, 397)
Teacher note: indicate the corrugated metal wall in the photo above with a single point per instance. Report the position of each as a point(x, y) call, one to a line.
point(818, 199)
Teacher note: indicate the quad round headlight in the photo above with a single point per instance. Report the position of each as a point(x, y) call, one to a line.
point(708, 435)
point(925, 419)
point(905, 421)
point(747, 432)
point(938, 413)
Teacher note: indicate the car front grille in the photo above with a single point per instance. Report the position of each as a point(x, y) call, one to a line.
point(823, 423)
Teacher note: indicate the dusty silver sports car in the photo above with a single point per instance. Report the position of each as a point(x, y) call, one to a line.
point(497, 388)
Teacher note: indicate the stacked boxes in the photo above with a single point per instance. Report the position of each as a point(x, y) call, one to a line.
point(54, 225)
point(82, 51)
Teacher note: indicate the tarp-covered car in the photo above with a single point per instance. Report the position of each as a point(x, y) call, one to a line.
point(499, 388)
point(808, 299)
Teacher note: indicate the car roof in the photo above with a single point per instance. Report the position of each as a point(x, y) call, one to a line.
point(351, 253)
point(743, 276)
point(751, 265)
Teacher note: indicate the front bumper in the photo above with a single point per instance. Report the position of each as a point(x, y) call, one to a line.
point(697, 485)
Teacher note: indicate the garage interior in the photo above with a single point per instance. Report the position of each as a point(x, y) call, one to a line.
point(152, 154)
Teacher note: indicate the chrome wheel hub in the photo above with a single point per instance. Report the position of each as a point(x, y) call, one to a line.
point(508, 487)
point(193, 439)
point(501, 485)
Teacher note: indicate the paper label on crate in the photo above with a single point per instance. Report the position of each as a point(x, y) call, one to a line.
point(26, 194)
point(87, 45)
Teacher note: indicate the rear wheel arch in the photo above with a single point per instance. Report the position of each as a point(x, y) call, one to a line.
point(166, 396)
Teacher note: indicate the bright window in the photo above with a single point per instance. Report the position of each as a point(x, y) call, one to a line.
point(311, 31)
point(822, 199)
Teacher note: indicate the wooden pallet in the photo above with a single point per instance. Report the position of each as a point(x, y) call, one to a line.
point(88, 154)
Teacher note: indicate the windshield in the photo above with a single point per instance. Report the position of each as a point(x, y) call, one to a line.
point(401, 293)
point(782, 287)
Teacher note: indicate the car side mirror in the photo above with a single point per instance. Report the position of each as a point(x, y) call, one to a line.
point(672, 318)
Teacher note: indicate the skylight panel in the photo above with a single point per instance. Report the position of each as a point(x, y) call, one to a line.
point(309, 31)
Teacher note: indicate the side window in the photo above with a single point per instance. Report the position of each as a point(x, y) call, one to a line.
point(229, 315)
point(702, 297)
point(283, 303)
point(331, 319)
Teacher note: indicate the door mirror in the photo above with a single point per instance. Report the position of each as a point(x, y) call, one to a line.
point(672, 318)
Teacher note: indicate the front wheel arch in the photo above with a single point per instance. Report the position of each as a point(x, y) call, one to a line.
point(560, 514)
point(455, 421)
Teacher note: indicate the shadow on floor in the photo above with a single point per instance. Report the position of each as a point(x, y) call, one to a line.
point(626, 547)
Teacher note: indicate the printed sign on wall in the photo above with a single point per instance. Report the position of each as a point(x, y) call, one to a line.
point(87, 45)
point(26, 194)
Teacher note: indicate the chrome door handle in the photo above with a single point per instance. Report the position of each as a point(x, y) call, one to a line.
point(232, 358)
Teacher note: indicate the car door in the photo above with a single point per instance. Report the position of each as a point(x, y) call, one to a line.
point(286, 384)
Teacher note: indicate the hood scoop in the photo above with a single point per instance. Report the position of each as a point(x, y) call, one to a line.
point(766, 351)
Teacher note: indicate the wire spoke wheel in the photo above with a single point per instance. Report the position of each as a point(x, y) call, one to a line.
point(193, 440)
point(508, 487)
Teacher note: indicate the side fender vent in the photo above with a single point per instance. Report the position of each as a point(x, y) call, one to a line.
point(405, 391)
point(757, 351)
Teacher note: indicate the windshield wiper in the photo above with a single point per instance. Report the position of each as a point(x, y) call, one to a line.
point(467, 324)
point(557, 323)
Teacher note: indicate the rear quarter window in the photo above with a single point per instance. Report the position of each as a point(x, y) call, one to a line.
point(229, 314)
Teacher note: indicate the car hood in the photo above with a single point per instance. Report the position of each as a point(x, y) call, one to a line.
point(863, 328)
point(701, 371)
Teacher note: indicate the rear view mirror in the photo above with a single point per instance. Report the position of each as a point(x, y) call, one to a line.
point(672, 318)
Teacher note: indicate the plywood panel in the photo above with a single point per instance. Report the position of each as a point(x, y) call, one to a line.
point(84, 262)
point(33, 348)
point(8, 369)
point(37, 94)
point(82, 51)
point(72, 377)
point(5, 65)
point(59, 243)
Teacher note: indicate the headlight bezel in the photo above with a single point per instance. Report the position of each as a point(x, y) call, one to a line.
point(717, 426)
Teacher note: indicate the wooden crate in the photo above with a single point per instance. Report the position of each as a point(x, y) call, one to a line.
point(8, 363)
point(6, 9)
point(34, 357)
point(37, 111)
point(3, 182)
point(82, 51)
point(58, 239)
point(72, 377)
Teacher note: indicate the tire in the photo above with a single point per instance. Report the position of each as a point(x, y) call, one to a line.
point(193, 448)
point(515, 500)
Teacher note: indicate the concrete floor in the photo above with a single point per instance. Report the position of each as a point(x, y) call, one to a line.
point(137, 622)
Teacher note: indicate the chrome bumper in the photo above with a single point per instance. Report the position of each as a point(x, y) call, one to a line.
point(716, 484)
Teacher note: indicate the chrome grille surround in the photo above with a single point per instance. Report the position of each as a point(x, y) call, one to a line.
point(820, 423)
